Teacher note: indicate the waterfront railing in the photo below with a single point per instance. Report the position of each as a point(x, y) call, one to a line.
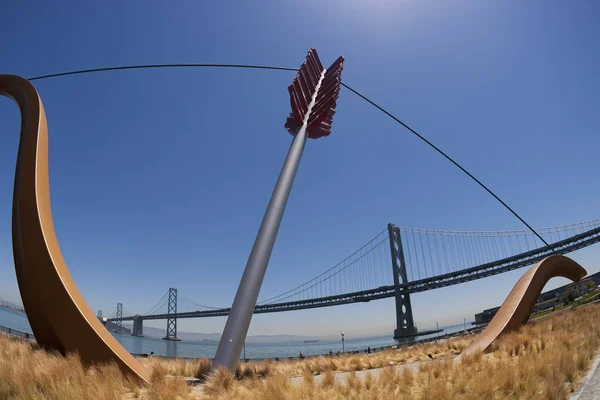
point(17, 333)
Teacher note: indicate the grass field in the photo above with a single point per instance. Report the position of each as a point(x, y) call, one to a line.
point(321, 365)
point(545, 359)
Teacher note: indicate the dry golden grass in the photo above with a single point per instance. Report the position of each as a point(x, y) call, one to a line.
point(200, 368)
point(27, 373)
point(359, 362)
point(543, 360)
point(179, 367)
point(162, 388)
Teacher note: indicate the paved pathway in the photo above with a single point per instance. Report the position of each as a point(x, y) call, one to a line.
point(342, 377)
point(589, 389)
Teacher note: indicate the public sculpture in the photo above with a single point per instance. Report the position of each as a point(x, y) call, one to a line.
point(59, 316)
point(517, 307)
point(313, 96)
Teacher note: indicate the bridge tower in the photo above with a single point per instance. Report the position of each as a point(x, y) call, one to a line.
point(100, 315)
point(119, 322)
point(405, 325)
point(172, 321)
point(138, 326)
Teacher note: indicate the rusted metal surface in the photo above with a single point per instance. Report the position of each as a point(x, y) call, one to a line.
point(59, 316)
point(519, 304)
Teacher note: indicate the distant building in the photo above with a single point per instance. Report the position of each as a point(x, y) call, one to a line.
point(485, 316)
point(546, 300)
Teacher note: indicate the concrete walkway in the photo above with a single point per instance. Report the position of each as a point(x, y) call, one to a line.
point(342, 377)
point(589, 389)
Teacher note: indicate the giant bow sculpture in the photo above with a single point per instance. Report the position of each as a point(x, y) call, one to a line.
point(59, 316)
point(517, 307)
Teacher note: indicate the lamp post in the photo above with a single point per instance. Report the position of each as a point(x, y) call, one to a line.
point(437, 328)
point(343, 349)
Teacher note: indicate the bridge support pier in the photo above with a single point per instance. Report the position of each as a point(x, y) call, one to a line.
point(138, 326)
point(172, 321)
point(405, 325)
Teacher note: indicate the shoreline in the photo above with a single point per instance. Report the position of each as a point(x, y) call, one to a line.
point(14, 333)
point(334, 355)
point(10, 308)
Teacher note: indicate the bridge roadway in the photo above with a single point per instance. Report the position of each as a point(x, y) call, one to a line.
point(469, 274)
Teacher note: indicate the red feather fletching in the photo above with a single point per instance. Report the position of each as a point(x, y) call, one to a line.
point(302, 90)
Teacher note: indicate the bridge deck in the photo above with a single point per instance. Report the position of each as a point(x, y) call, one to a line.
point(469, 274)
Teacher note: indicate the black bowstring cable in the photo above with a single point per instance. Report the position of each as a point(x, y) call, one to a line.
point(268, 67)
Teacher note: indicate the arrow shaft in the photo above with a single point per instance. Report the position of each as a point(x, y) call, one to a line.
point(238, 322)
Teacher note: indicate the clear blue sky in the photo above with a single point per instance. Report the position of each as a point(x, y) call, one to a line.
point(160, 178)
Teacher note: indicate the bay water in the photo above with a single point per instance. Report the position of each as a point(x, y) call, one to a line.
point(191, 349)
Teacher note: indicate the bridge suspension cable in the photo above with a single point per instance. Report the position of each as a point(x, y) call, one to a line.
point(161, 307)
point(565, 227)
point(370, 254)
point(277, 68)
point(445, 258)
point(199, 305)
point(428, 253)
point(161, 303)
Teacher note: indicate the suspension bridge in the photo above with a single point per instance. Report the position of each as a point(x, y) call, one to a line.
point(396, 262)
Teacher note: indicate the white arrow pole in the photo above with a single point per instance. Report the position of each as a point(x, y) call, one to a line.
point(238, 322)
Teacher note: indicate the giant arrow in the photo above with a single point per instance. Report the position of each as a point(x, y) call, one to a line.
point(313, 95)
